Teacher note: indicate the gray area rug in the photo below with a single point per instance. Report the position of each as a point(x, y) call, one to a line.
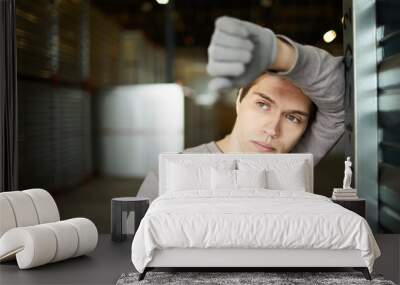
point(225, 278)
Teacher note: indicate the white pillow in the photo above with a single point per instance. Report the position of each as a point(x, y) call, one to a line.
point(223, 179)
point(294, 179)
point(188, 175)
point(281, 175)
point(184, 177)
point(236, 179)
point(251, 178)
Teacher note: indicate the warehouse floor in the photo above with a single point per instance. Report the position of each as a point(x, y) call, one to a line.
point(92, 199)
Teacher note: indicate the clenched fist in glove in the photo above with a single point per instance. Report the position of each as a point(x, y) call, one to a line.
point(239, 52)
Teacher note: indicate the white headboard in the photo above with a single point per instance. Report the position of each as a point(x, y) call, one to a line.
point(210, 159)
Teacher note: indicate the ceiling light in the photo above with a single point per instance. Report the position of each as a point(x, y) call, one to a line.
point(329, 36)
point(146, 7)
point(266, 3)
point(162, 2)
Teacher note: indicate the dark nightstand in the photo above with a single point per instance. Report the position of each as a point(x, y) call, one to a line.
point(121, 209)
point(355, 205)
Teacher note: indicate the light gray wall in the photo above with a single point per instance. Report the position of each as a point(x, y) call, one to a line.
point(134, 123)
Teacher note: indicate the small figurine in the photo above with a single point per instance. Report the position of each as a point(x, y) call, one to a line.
point(347, 174)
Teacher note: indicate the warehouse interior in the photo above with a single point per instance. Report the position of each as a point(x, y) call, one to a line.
point(105, 86)
point(87, 131)
point(92, 91)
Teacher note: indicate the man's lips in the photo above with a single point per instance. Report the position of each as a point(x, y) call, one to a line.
point(263, 146)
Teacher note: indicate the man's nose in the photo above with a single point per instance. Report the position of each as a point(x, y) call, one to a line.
point(272, 127)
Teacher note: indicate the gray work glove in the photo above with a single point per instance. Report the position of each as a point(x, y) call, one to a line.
point(239, 52)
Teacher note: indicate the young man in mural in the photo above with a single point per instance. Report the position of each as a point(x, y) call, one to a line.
point(290, 96)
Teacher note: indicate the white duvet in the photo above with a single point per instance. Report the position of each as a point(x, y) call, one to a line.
point(253, 218)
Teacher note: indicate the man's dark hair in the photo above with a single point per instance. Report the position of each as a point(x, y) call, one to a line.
point(245, 89)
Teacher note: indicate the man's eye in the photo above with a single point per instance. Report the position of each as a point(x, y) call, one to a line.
point(293, 119)
point(263, 105)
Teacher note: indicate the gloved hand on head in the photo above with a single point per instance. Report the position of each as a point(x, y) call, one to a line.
point(239, 52)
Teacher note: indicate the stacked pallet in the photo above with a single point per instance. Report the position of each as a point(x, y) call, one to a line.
point(104, 49)
point(141, 61)
point(35, 38)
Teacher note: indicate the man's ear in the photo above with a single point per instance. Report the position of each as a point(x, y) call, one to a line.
point(238, 100)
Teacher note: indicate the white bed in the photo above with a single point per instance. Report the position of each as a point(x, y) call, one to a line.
point(201, 220)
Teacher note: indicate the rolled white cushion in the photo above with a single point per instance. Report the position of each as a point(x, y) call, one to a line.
point(33, 246)
point(40, 244)
point(45, 205)
point(67, 239)
point(23, 208)
point(87, 234)
point(7, 218)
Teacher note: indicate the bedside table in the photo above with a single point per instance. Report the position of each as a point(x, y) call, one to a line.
point(355, 205)
point(126, 214)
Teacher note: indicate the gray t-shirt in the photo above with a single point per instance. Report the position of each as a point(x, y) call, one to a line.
point(149, 187)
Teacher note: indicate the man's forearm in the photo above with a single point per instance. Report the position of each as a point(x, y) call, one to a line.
point(285, 57)
point(321, 77)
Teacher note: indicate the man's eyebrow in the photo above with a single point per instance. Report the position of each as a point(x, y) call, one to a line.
point(298, 112)
point(266, 97)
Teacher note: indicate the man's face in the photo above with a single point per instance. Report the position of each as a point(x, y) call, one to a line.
point(271, 117)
